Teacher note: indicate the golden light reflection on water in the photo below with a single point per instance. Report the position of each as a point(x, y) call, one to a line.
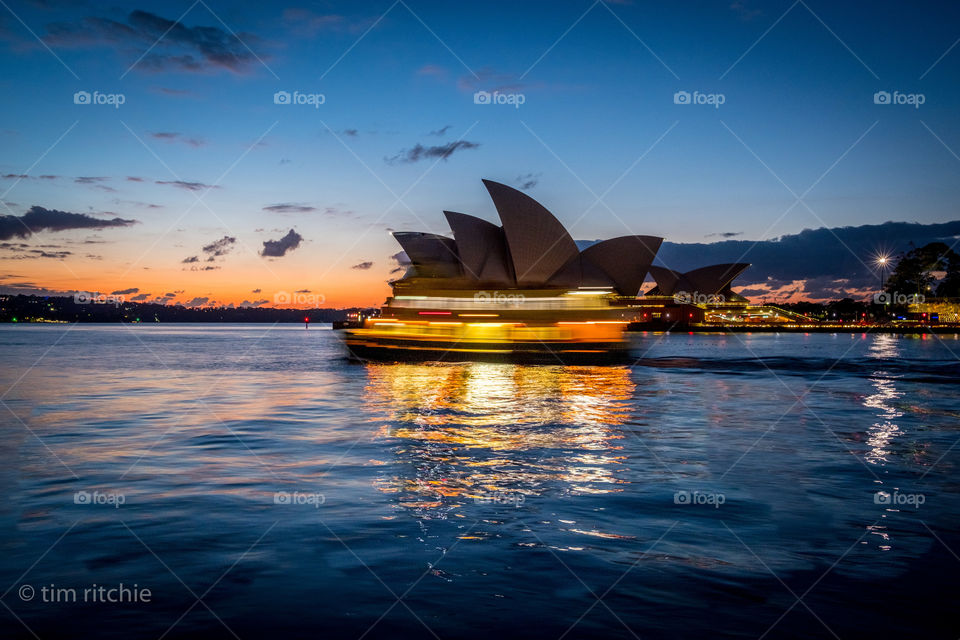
point(882, 433)
point(499, 432)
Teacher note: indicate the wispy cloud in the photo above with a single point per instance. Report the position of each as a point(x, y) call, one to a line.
point(420, 152)
point(176, 47)
point(289, 207)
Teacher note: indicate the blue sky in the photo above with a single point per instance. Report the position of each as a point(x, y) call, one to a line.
point(797, 81)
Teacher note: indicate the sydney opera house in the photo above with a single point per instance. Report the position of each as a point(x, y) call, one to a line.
point(524, 289)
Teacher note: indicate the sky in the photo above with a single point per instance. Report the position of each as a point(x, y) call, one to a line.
point(213, 153)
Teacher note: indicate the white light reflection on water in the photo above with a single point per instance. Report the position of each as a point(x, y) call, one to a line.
point(882, 433)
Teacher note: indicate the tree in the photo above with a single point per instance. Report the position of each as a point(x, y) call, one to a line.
point(914, 271)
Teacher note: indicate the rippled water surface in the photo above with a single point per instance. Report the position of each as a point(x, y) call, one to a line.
point(259, 484)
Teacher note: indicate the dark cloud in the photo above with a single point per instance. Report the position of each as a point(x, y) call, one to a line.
point(196, 302)
point(527, 181)
point(140, 297)
point(822, 263)
point(219, 247)
point(189, 186)
point(420, 152)
point(289, 207)
point(724, 234)
point(172, 136)
point(191, 259)
point(363, 266)
point(39, 219)
point(439, 132)
point(303, 291)
point(350, 132)
point(255, 291)
point(172, 46)
point(91, 179)
point(279, 248)
point(401, 261)
point(134, 179)
point(125, 292)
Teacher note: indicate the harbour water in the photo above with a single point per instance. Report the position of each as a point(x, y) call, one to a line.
point(257, 483)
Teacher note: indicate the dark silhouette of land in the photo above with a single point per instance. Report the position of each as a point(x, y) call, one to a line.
point(24, 308)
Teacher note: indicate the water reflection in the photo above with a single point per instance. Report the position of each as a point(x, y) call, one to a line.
point(476, 431)
point(881, 434)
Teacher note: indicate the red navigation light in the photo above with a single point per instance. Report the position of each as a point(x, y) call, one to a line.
point(306, 319)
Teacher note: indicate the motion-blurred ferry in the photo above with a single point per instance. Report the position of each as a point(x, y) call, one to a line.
point(522, 291)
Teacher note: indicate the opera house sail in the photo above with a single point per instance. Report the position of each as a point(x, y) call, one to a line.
point(520, 290)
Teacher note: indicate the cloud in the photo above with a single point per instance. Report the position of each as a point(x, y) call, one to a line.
point(815, 263)
point(527, 181)
point(363, 266)
point(171, 136)
point(489, 80)
point(134, 179)
point(724, 234)
point(279, 248)
point(439, 132)
point(39, 219)
point(218, 248)
point(289, 207)
point(401, 261)
point(171, 46)
point(125, 292)
point(196, 302)
point(350, 132)
point(191, 259)
point(255, 291)
point(140, 298)
point(432, 70)
point(255, 303)
point(90, 179)
point(189, 186)
point(420, 152)
point(304, 22)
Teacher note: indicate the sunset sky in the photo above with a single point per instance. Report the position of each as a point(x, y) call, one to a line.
point(205, 187)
